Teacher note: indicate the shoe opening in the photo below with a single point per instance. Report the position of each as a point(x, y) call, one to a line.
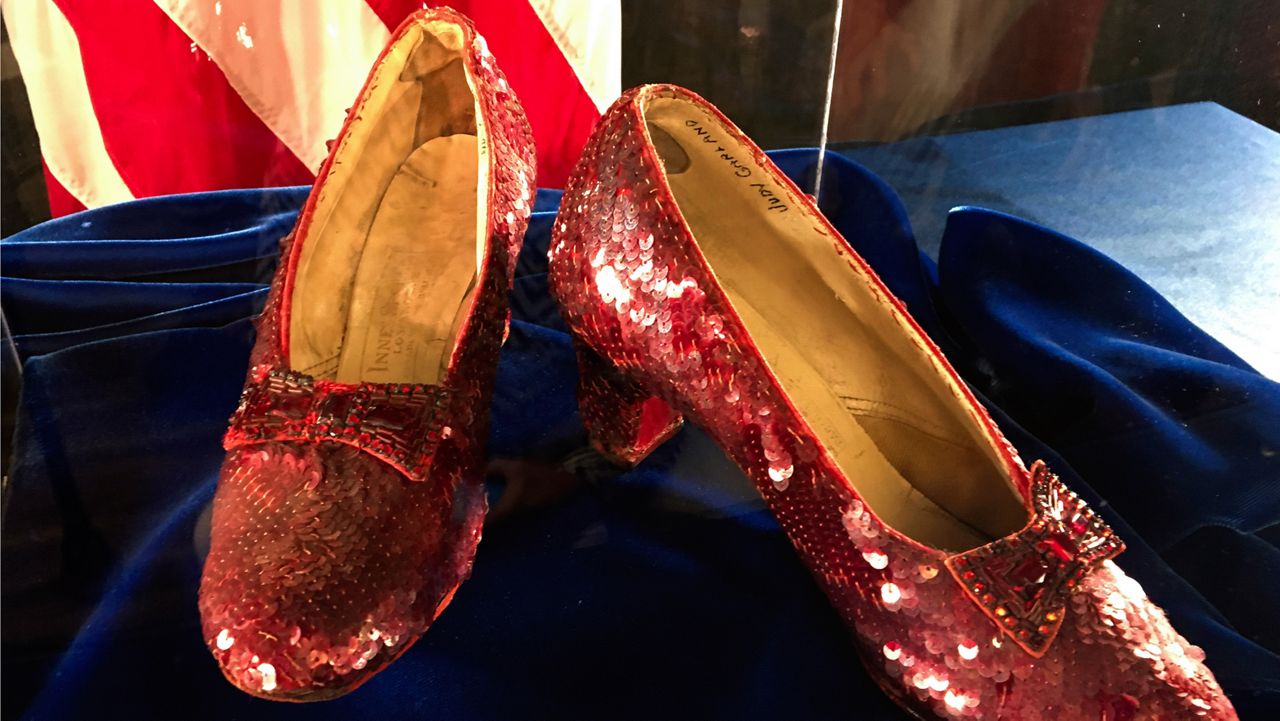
point(894, 419)
point(392, 255)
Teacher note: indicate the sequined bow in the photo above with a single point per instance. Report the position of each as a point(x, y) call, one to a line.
point(399, 424)
point(1022, 582)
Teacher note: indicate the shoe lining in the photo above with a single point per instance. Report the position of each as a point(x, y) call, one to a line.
point(894, 423)
point(394, 250)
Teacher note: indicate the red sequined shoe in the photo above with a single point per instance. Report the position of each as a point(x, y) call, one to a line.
point(350, 502)
point(699, 282)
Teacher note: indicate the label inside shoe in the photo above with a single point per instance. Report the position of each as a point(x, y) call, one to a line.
point(416, 269)
point(690, 139)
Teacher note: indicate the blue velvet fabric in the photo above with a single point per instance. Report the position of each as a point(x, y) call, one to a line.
point(667, 592)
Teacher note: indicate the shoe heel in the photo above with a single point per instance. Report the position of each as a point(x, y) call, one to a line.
point(624, 421)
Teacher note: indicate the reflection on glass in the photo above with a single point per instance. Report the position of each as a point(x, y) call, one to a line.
point(764, 64)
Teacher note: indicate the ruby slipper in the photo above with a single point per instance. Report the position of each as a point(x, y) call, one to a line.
point(350, 503)
point(700, 283)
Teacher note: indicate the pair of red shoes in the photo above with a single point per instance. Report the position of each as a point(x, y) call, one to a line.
point(698, 283)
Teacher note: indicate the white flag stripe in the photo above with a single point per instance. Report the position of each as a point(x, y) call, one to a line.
point(589, 33)
point(298, 64)
point(71, 142)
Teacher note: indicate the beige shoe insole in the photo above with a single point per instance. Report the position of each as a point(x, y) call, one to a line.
point(416, 269)
point(883, 486)
point(892, 424)
point(890, 495)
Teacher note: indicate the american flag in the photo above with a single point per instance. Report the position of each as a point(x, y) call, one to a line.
point(135, 98)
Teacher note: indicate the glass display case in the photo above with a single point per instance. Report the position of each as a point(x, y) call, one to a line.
point(1029, 250)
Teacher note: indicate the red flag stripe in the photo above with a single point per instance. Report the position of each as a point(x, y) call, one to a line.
point(560, 111)
point(589, 35)
point(393, 12)
point(321, 53)
point(157, 115)
point(170, 121)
